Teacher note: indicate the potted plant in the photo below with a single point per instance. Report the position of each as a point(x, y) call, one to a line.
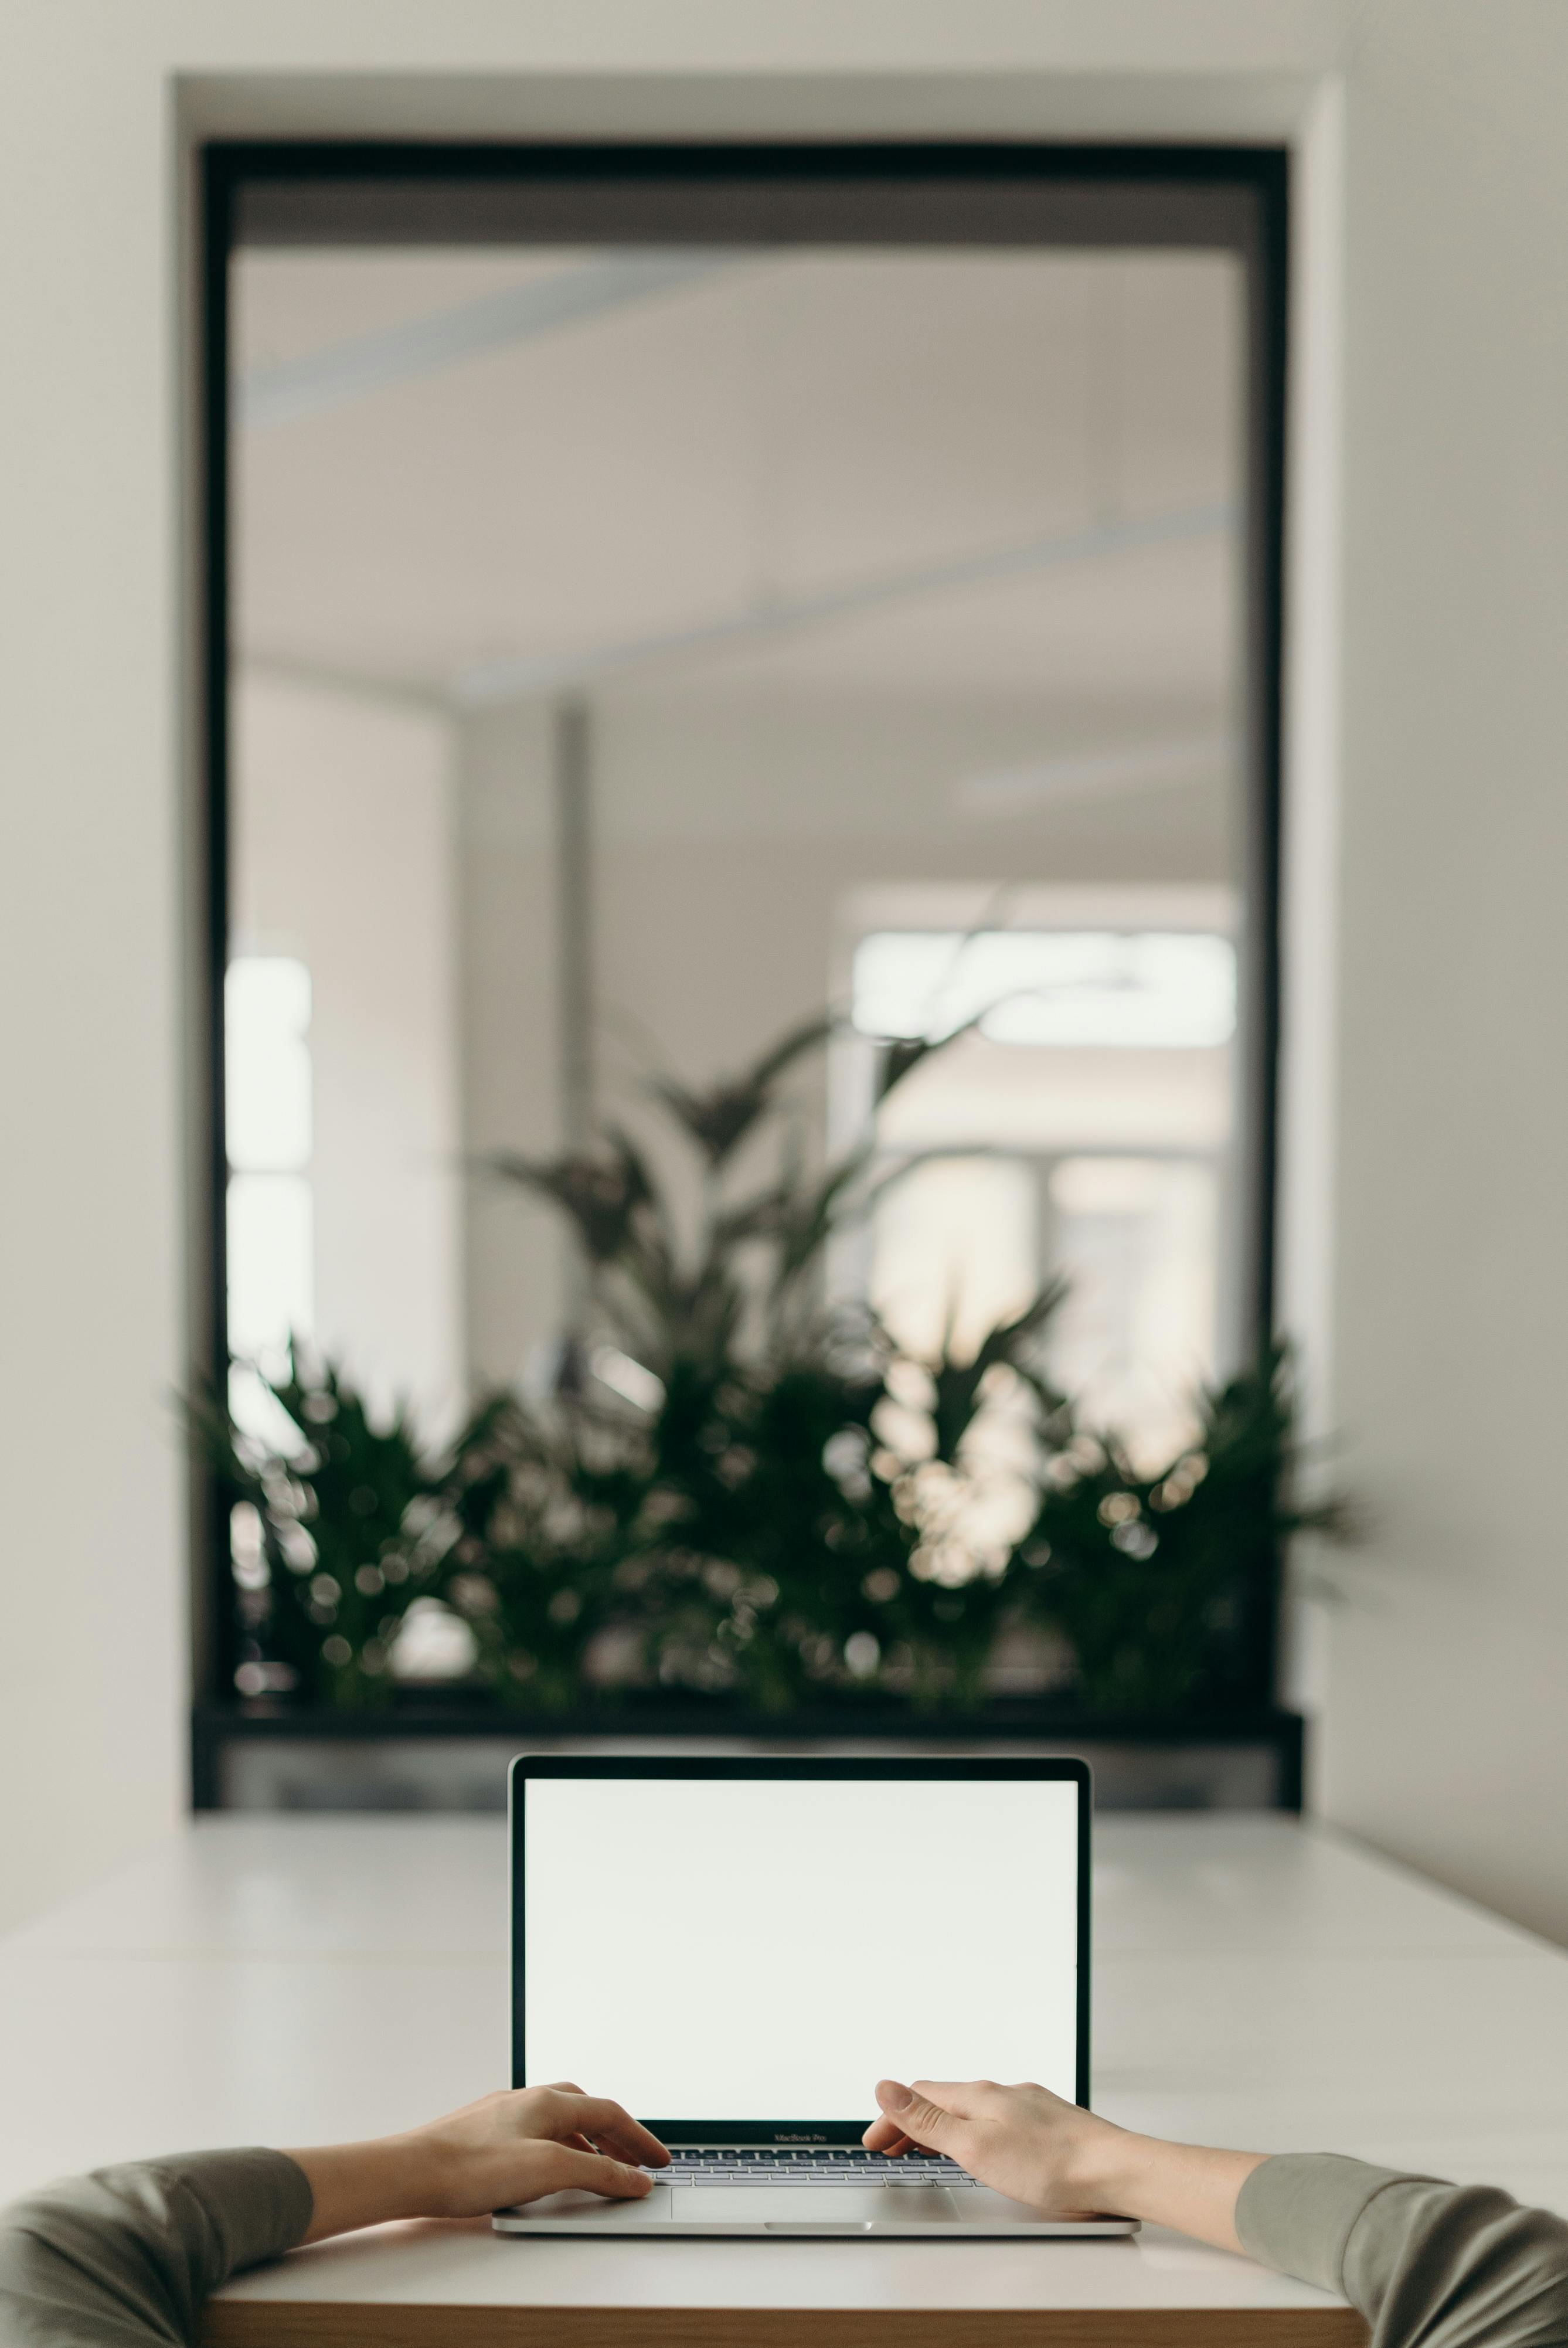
point(737, 1494)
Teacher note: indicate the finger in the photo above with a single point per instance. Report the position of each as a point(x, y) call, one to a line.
point(966, 2099)
point(564, 2170)
point(564, 2088)
point(885, 2135)
point(918, 2116)
point(565, 2134)
point(654, 2158)
point(609, 2123)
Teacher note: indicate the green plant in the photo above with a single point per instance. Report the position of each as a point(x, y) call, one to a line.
point(1165, 1586)
point(758, 1527)
point(335, 1530)
point(734, 1489)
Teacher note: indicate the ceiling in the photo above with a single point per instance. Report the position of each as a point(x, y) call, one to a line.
point(481, 475)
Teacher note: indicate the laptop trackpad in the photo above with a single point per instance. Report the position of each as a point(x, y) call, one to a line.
point(781, 2206)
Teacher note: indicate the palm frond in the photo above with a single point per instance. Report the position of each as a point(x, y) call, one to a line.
point(902, 1054)
point(719, 1118)
point(957, 1383)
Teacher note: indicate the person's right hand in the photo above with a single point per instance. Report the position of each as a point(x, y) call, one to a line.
point(1024, 2141)
point(508, 2148)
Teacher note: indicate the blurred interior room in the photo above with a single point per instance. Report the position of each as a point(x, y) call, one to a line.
point(871, 603)
point(655, 660)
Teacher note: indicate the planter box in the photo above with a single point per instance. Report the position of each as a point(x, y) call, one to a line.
point(452, 1755)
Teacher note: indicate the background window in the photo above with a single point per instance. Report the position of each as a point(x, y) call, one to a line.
point(649, 640)
point(271, 1210)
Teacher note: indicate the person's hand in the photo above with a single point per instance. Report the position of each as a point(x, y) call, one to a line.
point(513, 2147)
point(1024, 2141)
point(1061, 2160)
point(502, 2149)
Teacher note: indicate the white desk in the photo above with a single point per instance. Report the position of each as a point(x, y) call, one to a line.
point(287, 1982)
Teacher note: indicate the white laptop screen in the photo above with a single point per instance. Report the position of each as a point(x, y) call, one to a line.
point(766, 1949)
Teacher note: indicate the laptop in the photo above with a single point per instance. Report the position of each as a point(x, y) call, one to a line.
point(738, 1950)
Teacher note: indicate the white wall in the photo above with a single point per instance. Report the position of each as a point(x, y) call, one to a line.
point(93, 1669)
point(343, 853)
point(1445, 1722)
point(1446, 1735)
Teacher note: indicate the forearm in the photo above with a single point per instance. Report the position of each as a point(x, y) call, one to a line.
point(1189, 2187)
point(127, 2255)
point(1444, 2265)
point(355, 2185)
point(420, 2174)
point(1440, 2265)
point(1429, 2265)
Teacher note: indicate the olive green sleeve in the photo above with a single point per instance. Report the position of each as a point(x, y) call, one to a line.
point(127, 2255)
point(1429, 2265)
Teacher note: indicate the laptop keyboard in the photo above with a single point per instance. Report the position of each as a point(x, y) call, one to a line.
point(772, 2165)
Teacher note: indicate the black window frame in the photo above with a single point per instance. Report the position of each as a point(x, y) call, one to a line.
point(1139, 195)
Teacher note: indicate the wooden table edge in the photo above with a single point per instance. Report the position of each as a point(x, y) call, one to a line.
point(368, 2324)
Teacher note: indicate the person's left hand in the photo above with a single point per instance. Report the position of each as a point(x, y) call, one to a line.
point(506, 2149)
point(1026, 2142)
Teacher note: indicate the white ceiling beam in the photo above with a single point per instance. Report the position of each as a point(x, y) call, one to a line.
point(328, 676)
point(514, 678)
point(343, 372)
point(1126, 766)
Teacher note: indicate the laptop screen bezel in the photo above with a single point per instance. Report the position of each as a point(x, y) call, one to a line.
point(787, 2132)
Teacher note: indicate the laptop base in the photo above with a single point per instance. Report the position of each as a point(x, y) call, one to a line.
point(761, 2212)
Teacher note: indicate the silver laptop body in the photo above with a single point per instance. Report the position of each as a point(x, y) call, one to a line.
point(764, 1938)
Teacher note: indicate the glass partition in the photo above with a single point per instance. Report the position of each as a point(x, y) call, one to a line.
point(646, 645)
